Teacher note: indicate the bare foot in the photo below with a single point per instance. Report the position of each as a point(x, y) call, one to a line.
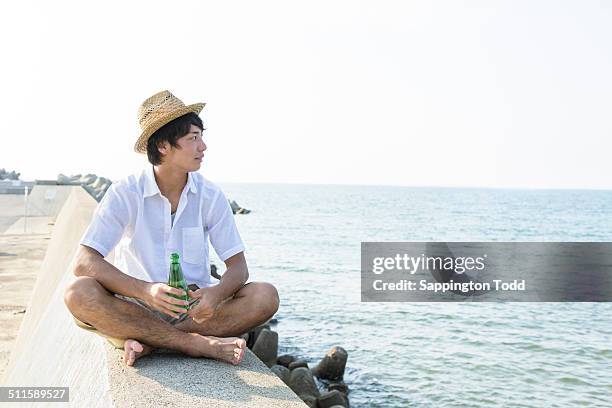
point(133, 350)
point(227, 349)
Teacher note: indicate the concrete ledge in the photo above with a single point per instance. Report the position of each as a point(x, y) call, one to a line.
point(31, 225)
point(51, 351)
point(46, 200)
point(173, 380)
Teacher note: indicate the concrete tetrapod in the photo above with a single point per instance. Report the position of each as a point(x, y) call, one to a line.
point(285, 360)
point(302, 383)
point(297, 364)
point(331, 367)
point(266, 347)
point(340, 386)
point(332, 399)
point(282, 372)
point(254, 334)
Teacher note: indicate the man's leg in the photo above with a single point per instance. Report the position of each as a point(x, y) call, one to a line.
point(251, 306)
point(90, 302)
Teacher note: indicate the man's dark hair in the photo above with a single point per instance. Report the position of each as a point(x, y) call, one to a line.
point(171, 132)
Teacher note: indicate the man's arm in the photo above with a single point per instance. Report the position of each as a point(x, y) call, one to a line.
point(228, 245)
point(91, 263)
point(232, 280)
point(235, 276)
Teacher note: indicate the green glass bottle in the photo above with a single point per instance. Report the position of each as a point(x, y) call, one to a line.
point(176, 279)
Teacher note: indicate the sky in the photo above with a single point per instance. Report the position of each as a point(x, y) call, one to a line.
point(507, 94)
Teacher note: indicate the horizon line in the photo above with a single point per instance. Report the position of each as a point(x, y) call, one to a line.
point(474, 187)
point(419, 186)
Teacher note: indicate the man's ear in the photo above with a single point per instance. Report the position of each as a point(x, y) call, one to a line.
point(163, 147)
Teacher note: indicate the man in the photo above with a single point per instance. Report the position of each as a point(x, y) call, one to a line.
point(168, 208)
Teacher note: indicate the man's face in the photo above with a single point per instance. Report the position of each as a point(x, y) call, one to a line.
point(190, 154)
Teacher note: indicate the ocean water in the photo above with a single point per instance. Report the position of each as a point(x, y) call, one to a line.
point(305, 239)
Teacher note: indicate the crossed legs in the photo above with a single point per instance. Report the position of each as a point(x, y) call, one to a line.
point(252, 305)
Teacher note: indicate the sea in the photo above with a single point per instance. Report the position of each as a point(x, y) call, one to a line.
point(306, 240)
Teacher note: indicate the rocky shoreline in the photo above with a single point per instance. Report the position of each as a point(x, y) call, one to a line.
point(295, 373)
point(96, 186)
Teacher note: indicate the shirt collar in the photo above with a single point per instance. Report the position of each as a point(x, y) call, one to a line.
point(150, 185)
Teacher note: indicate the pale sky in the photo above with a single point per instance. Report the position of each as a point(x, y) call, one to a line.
point(418, 93)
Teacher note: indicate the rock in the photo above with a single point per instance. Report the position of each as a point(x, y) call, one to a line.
point(87, 179)
point(104, 186)
point(4, 175)
point(106, 183)
point(339, 386)
point(302, 383)
point(273, 321)
point(253, 334)
point(309, 400)
point(213, 272)
point(331, 399)
point(281, 372)
point(94, 185)
point(90, 190)
point(297, 364)
point(331, 367)
point(266, 346)
point(285, 360)
point(97, 183)
point(99, 195)
point(236, 209)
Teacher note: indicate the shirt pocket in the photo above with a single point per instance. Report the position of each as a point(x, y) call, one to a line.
point(194, 250)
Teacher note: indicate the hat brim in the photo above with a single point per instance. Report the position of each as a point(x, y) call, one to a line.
point(141, 144)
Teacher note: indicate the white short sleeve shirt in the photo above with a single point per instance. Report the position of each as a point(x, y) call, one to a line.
point(134, 219)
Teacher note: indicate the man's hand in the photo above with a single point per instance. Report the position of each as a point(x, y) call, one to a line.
point(209, 298)
point(157, 296)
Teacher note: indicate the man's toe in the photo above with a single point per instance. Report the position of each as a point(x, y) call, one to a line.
point(239, 354)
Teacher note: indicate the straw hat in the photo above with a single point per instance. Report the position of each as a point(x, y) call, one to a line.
point(158, 110)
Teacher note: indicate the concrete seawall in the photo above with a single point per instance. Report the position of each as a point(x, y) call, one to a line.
point(51, 351)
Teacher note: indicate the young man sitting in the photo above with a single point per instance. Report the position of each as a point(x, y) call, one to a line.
point(167, 208)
